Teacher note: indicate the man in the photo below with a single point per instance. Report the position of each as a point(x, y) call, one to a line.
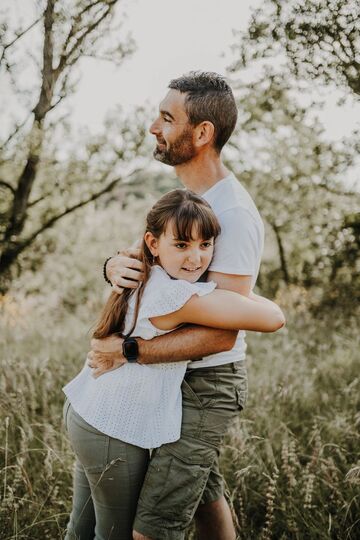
point(196, 119)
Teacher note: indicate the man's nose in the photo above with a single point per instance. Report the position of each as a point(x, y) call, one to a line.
point(155, 128)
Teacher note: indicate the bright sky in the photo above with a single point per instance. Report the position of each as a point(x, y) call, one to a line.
point(172, 37)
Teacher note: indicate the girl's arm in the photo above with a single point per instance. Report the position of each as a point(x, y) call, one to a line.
point(227, 310)
point(261, 299)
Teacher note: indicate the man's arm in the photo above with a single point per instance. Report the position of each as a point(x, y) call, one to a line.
point(186, 343)
point(195, 341)
point(124, 270)
point(176, 346)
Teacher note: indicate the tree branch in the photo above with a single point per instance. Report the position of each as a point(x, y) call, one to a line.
point(8, 186)
point(65, 58)
point(74, 207)
point(17, 214)
point(48, 78)
point(16, 130)
point(59, 99)
point(338, 192)
point(39, 199)
point(75, 23)
point(8, 45)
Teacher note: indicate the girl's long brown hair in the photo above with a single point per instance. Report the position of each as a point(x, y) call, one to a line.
point(184, 209)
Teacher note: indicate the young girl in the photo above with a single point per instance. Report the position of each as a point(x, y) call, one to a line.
point(112, 421)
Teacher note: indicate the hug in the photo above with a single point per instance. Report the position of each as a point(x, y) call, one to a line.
point(166, 376)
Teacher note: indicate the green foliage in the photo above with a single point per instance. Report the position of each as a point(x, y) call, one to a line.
point(42, 179)
point(69, 178)
point(319, 39)
point(80, 244)
point(36, 460)
point(295, 174)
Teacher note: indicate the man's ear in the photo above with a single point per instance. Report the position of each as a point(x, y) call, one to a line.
point(152, 243)
point(204, 133)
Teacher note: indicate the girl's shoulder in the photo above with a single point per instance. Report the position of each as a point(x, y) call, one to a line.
point(157, 273)
point(158, 282)
point(163, 294)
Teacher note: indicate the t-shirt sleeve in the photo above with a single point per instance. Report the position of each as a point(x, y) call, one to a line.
point(169, 296)
point(239, 246)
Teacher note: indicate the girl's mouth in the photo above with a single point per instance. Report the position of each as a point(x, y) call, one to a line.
point(191, 269)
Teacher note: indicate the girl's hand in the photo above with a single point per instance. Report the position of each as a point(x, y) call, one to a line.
point(105, 355)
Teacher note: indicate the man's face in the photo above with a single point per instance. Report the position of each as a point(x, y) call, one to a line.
point(173, 132)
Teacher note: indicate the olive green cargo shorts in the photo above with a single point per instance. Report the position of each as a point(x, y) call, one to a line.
point(184, 474)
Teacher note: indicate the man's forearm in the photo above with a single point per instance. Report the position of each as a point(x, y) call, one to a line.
point(186, 343)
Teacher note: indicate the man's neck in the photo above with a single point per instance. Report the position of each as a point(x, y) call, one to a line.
point(201, 173)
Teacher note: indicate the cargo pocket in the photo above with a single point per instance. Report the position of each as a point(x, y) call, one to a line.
point(173, 488)
point(241, 397)
point(199, 390)
point(189, 395)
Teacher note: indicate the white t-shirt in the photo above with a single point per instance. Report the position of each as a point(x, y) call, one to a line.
point(238, 248)
point(139, 404)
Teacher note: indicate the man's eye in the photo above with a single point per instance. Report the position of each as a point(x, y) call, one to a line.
point(167, 120)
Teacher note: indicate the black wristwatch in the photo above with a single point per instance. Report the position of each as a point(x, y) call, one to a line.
point(130, 349)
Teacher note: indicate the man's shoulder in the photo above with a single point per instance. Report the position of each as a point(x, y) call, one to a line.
point(237, 208)
point(239, 218)
point(232, 195)
point(242, 228)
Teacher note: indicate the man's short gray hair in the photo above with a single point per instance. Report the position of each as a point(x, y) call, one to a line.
point(208, 98)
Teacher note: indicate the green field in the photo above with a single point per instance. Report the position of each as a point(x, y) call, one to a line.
point(291, 463)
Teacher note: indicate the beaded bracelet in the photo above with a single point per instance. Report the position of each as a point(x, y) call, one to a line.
point(104, 271)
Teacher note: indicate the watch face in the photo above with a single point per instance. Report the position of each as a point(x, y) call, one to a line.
point(130, 349)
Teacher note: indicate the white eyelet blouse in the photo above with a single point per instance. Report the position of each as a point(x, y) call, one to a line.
point(139, 404)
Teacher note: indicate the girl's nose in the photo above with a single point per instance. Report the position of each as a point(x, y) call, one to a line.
point(194, 257)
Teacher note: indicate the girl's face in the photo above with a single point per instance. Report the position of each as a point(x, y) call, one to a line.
point(180, 259)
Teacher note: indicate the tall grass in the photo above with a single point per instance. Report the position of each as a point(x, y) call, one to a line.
point(36, 462)
point(291, 462)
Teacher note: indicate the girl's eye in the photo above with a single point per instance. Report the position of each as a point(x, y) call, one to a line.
point(180, 245)
point(206, 244)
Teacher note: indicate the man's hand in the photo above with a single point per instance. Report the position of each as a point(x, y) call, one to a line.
point(105, 355)
point(125, 270)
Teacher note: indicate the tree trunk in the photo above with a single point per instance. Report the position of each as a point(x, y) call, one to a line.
point(283, 263)
point(70, 50)
point(36, 136)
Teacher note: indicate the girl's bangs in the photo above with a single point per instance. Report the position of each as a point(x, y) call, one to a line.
point(195, 219)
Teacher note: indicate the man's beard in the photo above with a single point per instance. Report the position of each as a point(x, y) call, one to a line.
point(180, 151)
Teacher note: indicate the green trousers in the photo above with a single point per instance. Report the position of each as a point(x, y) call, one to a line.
point(107, 481)
point(185, 473)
